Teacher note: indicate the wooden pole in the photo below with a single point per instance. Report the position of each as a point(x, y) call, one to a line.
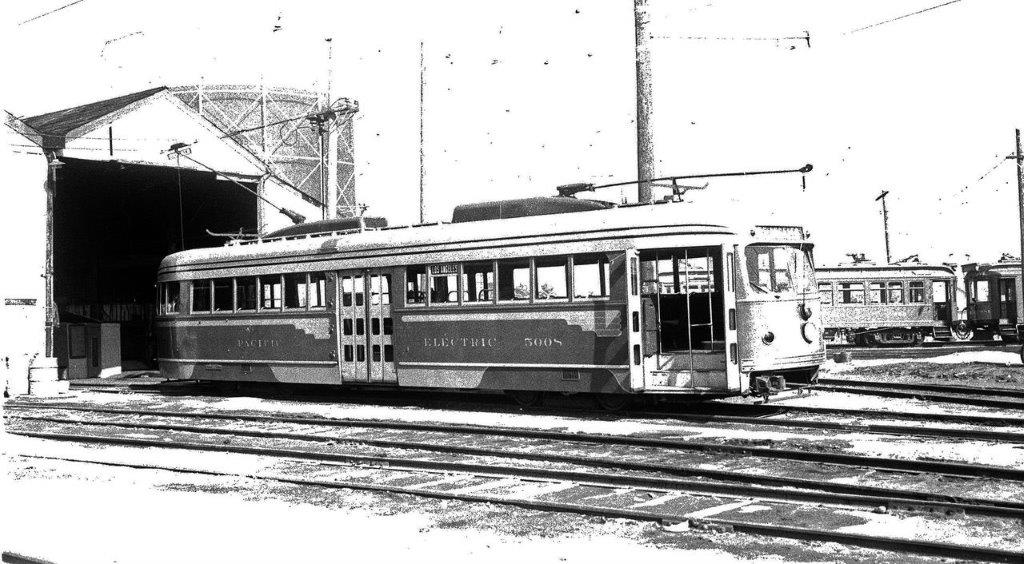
point(423, 169)
point(644, 105)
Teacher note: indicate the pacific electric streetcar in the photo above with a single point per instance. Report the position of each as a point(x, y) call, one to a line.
point(888, 304)
point(525, 296)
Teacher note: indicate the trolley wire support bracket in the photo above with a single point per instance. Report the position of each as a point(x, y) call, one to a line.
point(570, 190)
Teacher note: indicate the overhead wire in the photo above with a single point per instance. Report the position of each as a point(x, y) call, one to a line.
point(904, 16)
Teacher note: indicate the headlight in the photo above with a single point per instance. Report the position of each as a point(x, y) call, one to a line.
point(810, 331)
point(768, 338)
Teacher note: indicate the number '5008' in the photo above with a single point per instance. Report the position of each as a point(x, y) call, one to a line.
point(542, 342)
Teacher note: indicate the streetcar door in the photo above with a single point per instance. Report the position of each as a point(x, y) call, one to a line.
point(352, 321)
point(379, 347)
point(1008, 299)
point(941, 301)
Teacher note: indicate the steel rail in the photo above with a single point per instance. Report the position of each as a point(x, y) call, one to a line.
point(943, 398)
point(871, 496)
point(956, 389)
point(882, 414)
point(390, 398)
point(931, 548)
point(881, 463)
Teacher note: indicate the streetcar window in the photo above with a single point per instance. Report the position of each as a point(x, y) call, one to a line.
point(376, 353)
point(222, 299)
point(347, 326)
point(380, 289)
point(590, 276)
point(245, 293)
point(389, 325)
point(852, 292)
point(825, 290)
point(876, 293)
point(317, 289)
point(360, 353)
point(201, 296)
point(295, 291)
point(415, 285)
point(552, 277)
point(352, 289)
point(514, 279)
point(389, 353)
point(980, 293)
point(895, 293)
point(915, 292)
point(348, 353)
point(478, 282)
point(171, 297)
point(360, 327)
point(940, 291)
point(444, 284)
point(375, 326)
point(271, 292)
point(779, 268)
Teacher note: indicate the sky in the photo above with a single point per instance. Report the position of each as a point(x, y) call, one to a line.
point(523, 96)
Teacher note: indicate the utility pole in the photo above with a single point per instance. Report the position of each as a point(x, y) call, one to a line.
point(329, 143)
point(423, 84)
point(644, 104)
point(1019, 157)
point(885, 222)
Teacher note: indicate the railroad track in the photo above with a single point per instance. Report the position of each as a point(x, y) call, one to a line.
point(927, 350)
point(1002, 398)
point(568, 476)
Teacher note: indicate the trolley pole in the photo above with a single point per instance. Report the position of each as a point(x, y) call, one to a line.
point(644, 105)
point(885, 224)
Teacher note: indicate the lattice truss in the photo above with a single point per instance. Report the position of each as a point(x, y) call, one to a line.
point(290, 148)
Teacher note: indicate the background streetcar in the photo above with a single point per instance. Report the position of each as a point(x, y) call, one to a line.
point(993, 298)
point(900, 303)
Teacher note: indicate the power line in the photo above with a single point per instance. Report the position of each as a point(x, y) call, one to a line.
point(53, 11)
point(897, 18)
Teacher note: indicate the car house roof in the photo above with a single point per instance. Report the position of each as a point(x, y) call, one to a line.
point(626, 222)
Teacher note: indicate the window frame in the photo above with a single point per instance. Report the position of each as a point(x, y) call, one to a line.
point(531, 278)
point(458, 285)
point(494, 286)
point(192, 296)
point(309, 293)
point(889, 287)
point(862, 291)
point(566, 271)
point(831, 293)
point(604, 265)
point(303, 295)
point(910, 292)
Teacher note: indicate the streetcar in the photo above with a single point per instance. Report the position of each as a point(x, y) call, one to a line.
point(889, 304)
point(993, 298)
point(531, 296)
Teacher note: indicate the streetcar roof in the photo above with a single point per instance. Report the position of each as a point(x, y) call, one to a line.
point(881, 271)
point(616, 223)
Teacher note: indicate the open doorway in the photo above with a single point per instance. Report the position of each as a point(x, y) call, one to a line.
point(114, 222)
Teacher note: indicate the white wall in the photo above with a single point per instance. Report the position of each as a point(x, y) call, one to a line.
point(22, 246)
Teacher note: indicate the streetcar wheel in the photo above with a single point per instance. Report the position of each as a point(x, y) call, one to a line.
point(612, 402)
point(918, 339)
point(525, 398)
